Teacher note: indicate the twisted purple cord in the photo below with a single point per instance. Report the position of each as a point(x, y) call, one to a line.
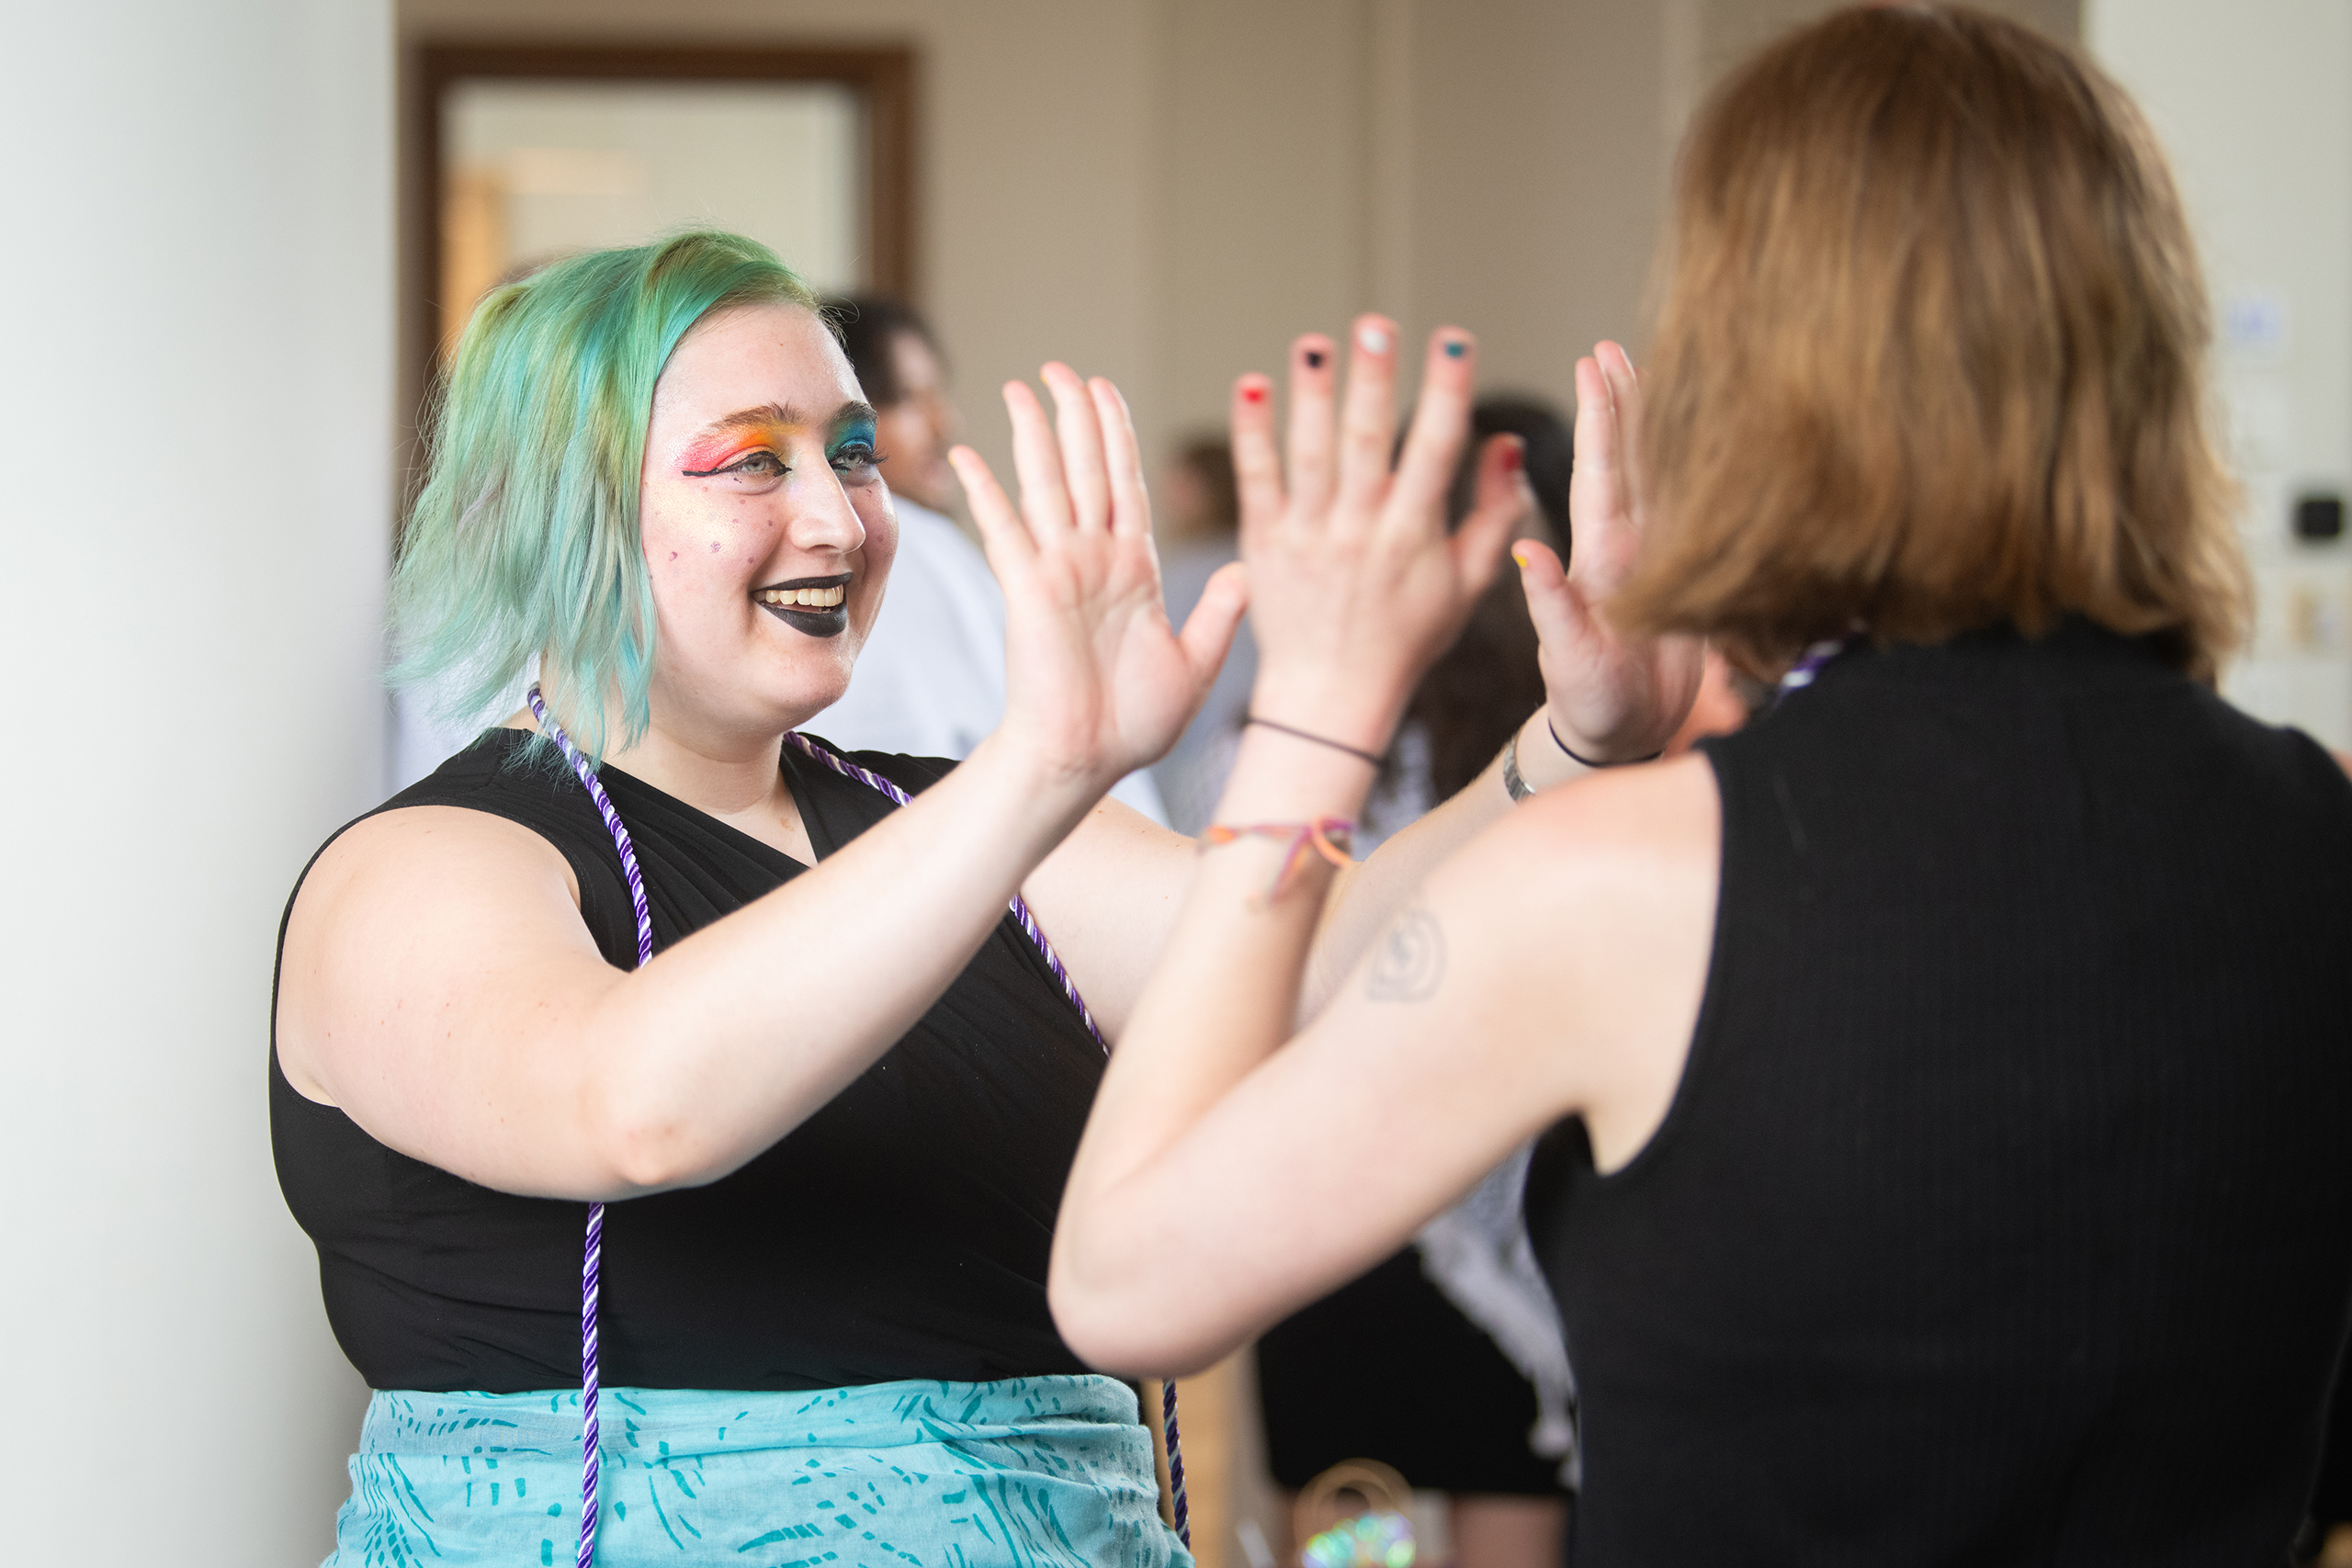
point(593, 1252)
point(1808, 665)
point(1037, 934)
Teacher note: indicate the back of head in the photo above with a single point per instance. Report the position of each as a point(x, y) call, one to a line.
point(523, 539)
point(1930, 355)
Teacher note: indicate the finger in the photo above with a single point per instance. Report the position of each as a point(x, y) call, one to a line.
point(1625, 405)
point(1596, 494)
point(1503, 501)
point(1367, 412)
point(1123, 456)
point(1083, 468)
point(1440, 423)
point(1038, 458)
point(1257, 466)
point(1558, 614)
point(1003, 534)
point(1313, 373)
point(1596, 431)
point(1208, 631)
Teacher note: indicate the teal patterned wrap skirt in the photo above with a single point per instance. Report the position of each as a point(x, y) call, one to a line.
point(1026, 1471)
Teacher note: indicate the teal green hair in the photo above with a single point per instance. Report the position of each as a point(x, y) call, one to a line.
point(525, 537)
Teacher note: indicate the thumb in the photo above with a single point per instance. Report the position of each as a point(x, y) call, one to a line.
point(1558, 609)
point(1208, 631)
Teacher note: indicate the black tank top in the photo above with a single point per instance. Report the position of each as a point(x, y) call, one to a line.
point(2004, 1212)
point(901, 1231)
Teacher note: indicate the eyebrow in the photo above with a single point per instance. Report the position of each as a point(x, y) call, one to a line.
point(768, 414)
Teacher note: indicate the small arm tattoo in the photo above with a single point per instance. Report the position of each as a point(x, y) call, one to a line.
point(1410, 963)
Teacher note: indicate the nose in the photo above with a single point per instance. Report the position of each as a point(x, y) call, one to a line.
point(822, 517)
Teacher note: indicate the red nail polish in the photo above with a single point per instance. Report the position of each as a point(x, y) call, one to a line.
point(1253, 394)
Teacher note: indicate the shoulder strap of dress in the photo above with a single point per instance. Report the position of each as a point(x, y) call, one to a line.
point(818, 751)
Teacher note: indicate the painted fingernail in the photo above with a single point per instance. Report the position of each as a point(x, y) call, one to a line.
point(1371, 340)
point(1315, 359)
point(1455, 348)
point(1514, 454)
point(1253, 394)
point(1519, 554)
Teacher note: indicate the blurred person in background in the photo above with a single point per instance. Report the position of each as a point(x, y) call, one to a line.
point(653, 1064)
point(1201, 512)
point(1942, 1079)
point(930, 677)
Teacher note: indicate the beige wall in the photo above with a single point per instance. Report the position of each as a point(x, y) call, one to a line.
point(1166, 190)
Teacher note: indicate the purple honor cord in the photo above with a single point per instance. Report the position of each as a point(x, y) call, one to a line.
point(593, 1251)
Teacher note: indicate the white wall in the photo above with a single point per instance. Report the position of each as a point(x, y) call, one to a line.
point(2254, 103)
point(193, 425)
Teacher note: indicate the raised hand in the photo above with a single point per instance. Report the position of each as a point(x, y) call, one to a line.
point(1611, 698)
point(1097, 680)
point(1355, 585)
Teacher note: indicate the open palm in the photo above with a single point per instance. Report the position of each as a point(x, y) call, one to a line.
point(1612, 698)
point(1098, 681)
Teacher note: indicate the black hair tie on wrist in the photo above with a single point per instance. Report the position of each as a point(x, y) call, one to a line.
point(1587, 761)
point(1372, 757)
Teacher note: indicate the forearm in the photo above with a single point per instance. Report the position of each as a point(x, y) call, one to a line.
point(1368, 895)
point(734, 1036)
point(1220, 1000)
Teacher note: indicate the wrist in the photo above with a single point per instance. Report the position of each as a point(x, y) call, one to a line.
point(1033, 775)
point(1351, 714)
point(1590, 753)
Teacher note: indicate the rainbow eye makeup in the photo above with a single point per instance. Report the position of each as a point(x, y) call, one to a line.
point(739, 448)
point(748, 446)
point(852, 451)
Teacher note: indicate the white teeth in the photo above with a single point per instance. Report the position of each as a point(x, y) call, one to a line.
point(809, 598)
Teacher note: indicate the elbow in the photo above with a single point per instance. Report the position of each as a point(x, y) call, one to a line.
point(1127, 1323)
point(642, 1148)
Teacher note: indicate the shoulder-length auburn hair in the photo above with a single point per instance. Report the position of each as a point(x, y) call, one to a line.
point(1930, 357)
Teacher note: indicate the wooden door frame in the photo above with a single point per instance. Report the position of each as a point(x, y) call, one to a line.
point(884, 77)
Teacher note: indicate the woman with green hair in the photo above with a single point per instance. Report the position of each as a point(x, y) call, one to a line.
point(646, 945)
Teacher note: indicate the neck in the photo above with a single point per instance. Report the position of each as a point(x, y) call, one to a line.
point(730, 773)
point(727, 775)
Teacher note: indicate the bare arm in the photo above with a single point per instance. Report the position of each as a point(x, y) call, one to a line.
point(440, 987)
point(1110, 895)
point(1230, 1175)
point(1552, 965)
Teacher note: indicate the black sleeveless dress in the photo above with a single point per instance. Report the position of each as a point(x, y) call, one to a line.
point(2003, 1213)
point(901, 1231)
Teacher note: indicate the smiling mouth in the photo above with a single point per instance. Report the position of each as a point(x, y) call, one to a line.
point(817, 606)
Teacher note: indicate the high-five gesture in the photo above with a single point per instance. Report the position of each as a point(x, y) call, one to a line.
point(1611, 699)
point(1097, 680)
point(1356, 584)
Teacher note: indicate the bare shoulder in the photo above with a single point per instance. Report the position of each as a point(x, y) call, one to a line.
point(1597, 902)
point(405, 891)
point(1606, 837)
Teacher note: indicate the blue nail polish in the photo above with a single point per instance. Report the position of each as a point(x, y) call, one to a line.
point(1456, 349)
